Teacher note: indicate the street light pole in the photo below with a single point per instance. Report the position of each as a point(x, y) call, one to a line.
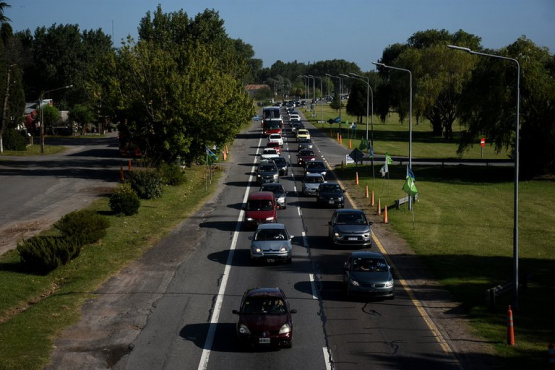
point(369, 98)
point(517, 160)
point(42, 113)
point(340, 88)
point(321, 106)
point(410, 115)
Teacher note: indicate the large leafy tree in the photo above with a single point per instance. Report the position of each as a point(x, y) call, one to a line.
point(438, 75)
point(488, 106)
point(179, 87)
point(356, 105)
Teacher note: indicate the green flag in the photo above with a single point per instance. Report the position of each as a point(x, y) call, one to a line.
point(409, 187)
point(362, 145)
point(388, 159)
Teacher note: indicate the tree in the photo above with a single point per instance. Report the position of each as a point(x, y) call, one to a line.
point(488, 105)
point(81, 114)
point(357, 103)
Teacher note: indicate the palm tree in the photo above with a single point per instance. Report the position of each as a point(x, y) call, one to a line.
point(3, 18)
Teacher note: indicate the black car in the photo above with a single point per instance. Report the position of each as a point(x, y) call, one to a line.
point(368, 274)
point(282, 165)
point(267, 172)
point(316, 166)
point(305, 143)
point(349, 227)
point(330, 194)
point(279, 193)
point(265, 318)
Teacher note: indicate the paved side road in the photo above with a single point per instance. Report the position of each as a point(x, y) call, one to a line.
point(37, 191)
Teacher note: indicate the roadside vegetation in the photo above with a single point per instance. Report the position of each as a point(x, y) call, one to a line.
point(462, 229)
point(35, 307)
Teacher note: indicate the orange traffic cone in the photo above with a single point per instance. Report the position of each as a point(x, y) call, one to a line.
point(338, 136)
point(225, 155)
point(366, 191)
point(379, 206)
point(372, 199)
point(340, 139)
point(129, 165)
point(551, 352)
point(356, 177)
point(385, 220)
point(350, 144)
point(121, 175)
point(510, 328)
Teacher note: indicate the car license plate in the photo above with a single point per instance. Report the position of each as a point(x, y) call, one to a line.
point(270, 260)
point(331, 201)
point(352, 238)
point(264, 340)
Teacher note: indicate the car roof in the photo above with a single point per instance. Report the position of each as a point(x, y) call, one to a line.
point(269, 226)
point(261, 195)
point(337, 211)
point(312, 174)
point(366, 254)
point(277, 292)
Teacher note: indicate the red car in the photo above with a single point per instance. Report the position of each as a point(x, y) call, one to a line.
point(305, 155)
point(265, 318)
point(275, 145)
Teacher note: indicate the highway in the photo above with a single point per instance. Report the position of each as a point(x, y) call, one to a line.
point(190, 324)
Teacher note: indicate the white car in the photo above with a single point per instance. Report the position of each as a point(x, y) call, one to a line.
point(294, 117)
point(269, 153)
point(275, 138)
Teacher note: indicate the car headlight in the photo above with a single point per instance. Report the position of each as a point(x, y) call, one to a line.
point(354, 282)
point(285, 329)
point(283, 248)
point(275, 176)
point(389, 284)
point(258, 175)
point(243, 329)
point(337, 235)
point(281, 199)
point(257, 250)
point(250, 219)
point(269, 218)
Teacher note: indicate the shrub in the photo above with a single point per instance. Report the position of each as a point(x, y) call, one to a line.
point(146, 183)
point(84, 226)
point(124, 200)
point(14, 140)
point(171, 174)
point(43, 254)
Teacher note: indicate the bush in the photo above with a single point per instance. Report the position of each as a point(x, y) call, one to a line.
point(146, 183)
point(83, 226)
point(171, 174)
point(14, 140)
point(124, 200)
point(43, 254)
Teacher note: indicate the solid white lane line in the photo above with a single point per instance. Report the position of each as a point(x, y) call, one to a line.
point(203, 363)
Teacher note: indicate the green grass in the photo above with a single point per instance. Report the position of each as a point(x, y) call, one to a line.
point(392, 137)
point(35, 308)
point(34, 150)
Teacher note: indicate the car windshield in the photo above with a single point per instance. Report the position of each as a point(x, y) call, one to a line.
point(276, 189)
point(351, 219)
point(270, 234)
point(315, 165)
point(331, 188)
point(314, 180)
point(279, 161)
point(369, 264)
point(267, 168)
point(260, 205)
point(307, 153)
point(264, 305)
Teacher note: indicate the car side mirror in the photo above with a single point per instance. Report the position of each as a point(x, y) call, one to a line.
point(370, 223)
point(293, 311)
point(235, 312)
point(291, 237)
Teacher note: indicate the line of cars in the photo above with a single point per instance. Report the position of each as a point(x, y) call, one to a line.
point(265, 317)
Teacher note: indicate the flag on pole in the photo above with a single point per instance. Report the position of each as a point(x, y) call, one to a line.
point(409, 186)
point(384, 169)
point(362, 145)
point(210, 154)
point(388, 159)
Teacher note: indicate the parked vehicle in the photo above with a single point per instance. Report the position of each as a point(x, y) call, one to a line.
point(368, 274)
point(261, 207)
point(330, 194)
point(349, 227)
point(271, 243)
point(265, 318)
point(311, 183)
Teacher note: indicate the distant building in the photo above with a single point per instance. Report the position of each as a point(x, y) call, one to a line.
point(253, 89)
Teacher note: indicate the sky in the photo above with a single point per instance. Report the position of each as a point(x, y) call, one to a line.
point(309, 31)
